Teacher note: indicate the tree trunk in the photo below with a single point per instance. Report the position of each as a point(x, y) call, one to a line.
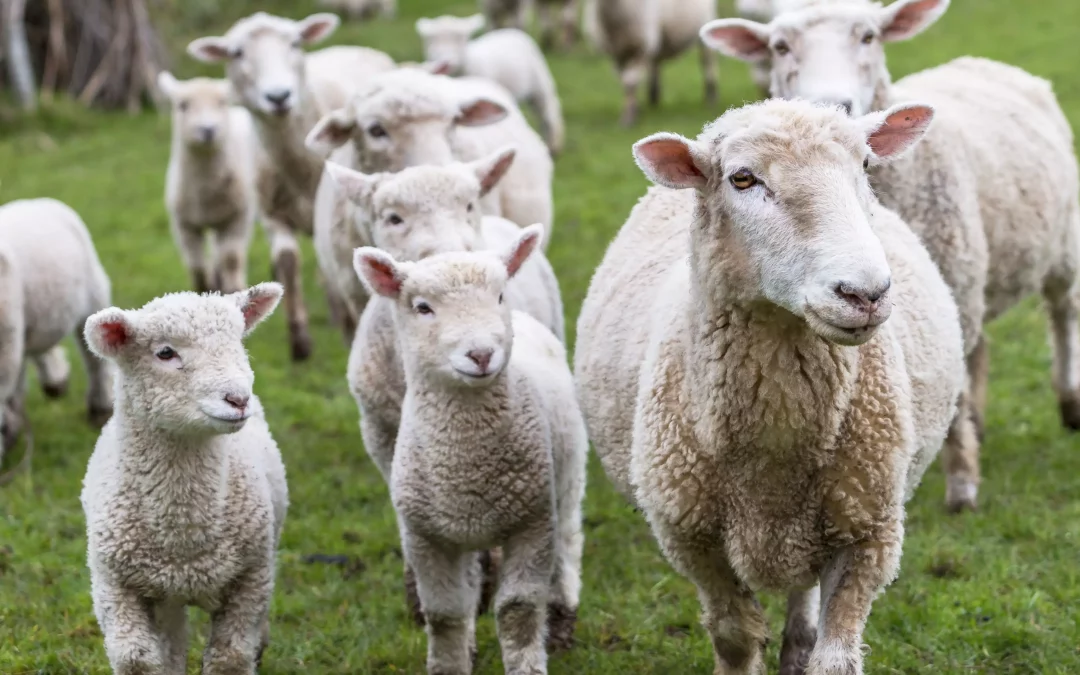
point(17, 51)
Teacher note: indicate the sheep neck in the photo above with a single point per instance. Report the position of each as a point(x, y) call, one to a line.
point(463, 419)
point(283, 140)
point(882, 92)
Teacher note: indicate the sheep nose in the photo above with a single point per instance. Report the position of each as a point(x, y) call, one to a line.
point(207, 132)
point(279, 97)
point(866, 298)
point(237, 401)
point(481, 357)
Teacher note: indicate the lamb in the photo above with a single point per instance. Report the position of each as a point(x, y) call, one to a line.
point(507, 56)
point(505, 13)
point(568, 18)
point(640, 34)
point(185, 493)
point(210, 182)
point(767, 365)
point(992, 191)
point(287, 92)
point(491, 452)
point(51, 281)
point(362, 9)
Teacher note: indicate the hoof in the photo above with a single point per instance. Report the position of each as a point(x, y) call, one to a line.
point(489, 578)
point(796, 648)
point(300, 342)
point(561, 623)
point(99, 416)
point(1070, 411)
point(55, 390)
point(960, 494)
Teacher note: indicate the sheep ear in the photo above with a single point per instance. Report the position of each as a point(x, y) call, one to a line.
point(518, 252)
point(318, 27)
point(331, 132)
point(474, 23)
point(358, 187)
point(893, 132)
point(167, 84)
point(258, 302)
point(491, 169)
point(209, 49)
point(423, 27)
point(671, 160)
point(109, 332)
point(904, 19)
point(379, 272)
point(481, 112)
point(737, 38)
point(436, 67)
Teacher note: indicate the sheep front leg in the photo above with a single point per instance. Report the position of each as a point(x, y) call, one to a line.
point(285, 253)
point(708, 72)
point(849, 584)
point(800, 630)
point(630, 74)
point(521, 601)
point(54, 371)
point(99, 372)
point(961, 456)
point(978, 363)
point(230, 255)
point(132, 640)
point(449, 604)
point(1061, 301)
point(236, 628)
point(569, 23)
point(171, 619)
point(192, 245)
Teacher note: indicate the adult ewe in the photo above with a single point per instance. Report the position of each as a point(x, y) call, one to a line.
point(287, 91)
point(769, 361)
point(993, 190)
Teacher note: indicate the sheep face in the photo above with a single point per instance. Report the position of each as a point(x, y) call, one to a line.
point(264, 57)
point(446, 37)
point(181, 358)
point(200, 110)
point(826, 51)
point(424, 210)
point(454, 326)
point(785, 208)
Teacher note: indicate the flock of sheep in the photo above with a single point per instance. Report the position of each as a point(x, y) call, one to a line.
point(776, 345)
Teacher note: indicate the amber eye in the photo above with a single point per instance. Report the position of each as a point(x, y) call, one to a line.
point(166, 354)
point(394, 219)
point(377, 131)
point(743, 179)
point(781, 47)
point(866, 163)
point(868, 38)
point(424, 308)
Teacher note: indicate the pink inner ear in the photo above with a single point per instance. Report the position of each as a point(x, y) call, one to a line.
point(496, 173)
point(739, 40)
point(899, 131)
point(671, 159)
point(255, 308)
point(481, 113)
point(382, 276)
point(909, 18)
point(114, 334)
point(520, 254)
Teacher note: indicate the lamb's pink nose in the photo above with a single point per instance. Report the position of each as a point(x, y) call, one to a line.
point(481, 357)
point(236, 401)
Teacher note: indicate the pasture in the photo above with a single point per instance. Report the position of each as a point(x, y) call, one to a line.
point(996, 591)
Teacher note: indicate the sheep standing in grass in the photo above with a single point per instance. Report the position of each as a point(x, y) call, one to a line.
point(992, 191)
point(641, 34)
point(768, 363)
point(491, 452)
point(507, 56)
point(287, 91)
point(567, 28)
point(185, 494)
point(505, 13)
point(50, 281)
point(362, 9)
point(411, 215)
point(210, 182)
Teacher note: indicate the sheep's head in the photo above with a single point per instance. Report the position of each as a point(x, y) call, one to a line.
point(446, 37)
point(200, 110)
point(403, 118)
point(264, 59)
point(181, 357)
point(826, 51)
point(787, 206)
point(449, 309)
point(423, 210)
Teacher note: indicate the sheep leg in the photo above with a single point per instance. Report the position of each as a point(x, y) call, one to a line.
point(99, 391)
point(570, 453)
point(54, 371)
point(340, 313)
point(230, 257)
point(569, 23)
point(171, 619)
point(708, 72)
point(521, 601)
point(849, 584)
point(1061, 300)
point(132, 640)
point(961, 457)
point(12, 414)
point(549, 110)
point(800, 630)
point(449, 604)
point(978, 363)
point(547, 25)
point(630, 74)
point(285, 252)
point(192, 246)
point(236, 629)
point(654, 83)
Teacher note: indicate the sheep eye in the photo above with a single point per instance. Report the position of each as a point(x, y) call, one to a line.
point(377, 131)
point(743, 179)
point(183, 105)
point(500, 298)
point(866, 163)
point(781, 47)
point(394, 219)
point(424, 308)
point(868, 38)
point(469, 208)
point(166, 354)
point(237, 53)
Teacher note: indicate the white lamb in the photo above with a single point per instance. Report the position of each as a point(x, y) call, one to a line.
point(362, 9)
point(640, 34)
point(287, 91)
point(491, 453)
point(993, 191)
point(50, 281)
point(508, 56)
point(210, 182)
point(769, 361)
point(185, 494)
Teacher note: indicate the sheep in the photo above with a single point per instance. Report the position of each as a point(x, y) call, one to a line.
point(362, 9)
point(767, 365)
point(568, 18)
point(287, 91)
point(210, 182)
point(185, 494)
point(491, 452)
point(640, 34)
point(51, 281)
point(507, 56)
point(412, 215)
point(505, 13)
point(992, 191)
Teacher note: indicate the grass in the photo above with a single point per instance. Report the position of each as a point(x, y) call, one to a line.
point(993, 592)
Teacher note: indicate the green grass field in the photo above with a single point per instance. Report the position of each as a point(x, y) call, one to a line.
point(997, 591)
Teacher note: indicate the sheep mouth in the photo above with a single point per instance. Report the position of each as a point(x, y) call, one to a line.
point(475, 377)
point(847, 336)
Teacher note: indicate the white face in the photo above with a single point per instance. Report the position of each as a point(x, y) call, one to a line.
point(789, 206)
point(446, 38)
point(183, 355)
point(200, 111)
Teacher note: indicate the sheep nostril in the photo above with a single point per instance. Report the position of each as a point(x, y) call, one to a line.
point(481, 357)
point(238, 402)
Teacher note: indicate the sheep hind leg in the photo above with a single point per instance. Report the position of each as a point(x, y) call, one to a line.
point(961, 456)
point(99, 390)
point(708, 73)
point(285, 252)
point(1061, 300)
point(54, 371)
point(569, 16)
point(630, 74)
point(800, 630)
point(654, 83)
point(978, 363)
